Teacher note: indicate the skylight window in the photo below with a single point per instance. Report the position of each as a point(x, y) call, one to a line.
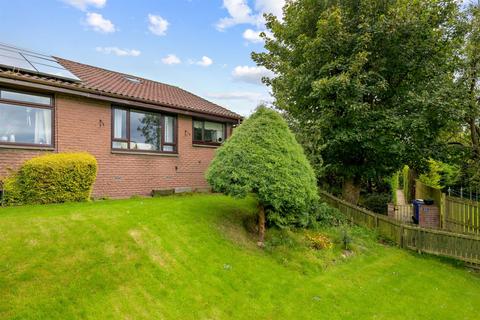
point(134, 80)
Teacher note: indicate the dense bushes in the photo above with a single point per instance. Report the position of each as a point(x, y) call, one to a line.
point(52, 178)
point(325, 215)
point(376, 202)
point(440, 174)
point(263, 157)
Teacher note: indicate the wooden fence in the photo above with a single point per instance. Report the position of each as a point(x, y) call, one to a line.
point(461, 215)
point(438, 242)
point(456, 214)
point(403, 213)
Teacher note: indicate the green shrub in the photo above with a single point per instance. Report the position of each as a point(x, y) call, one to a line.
point(406, 183)
point(440, 174)
point(11, 189)
point(263, 157)
point(324, 215)
point(394, 185)
point(53, 178)
point(345, 238)
point(376, 202)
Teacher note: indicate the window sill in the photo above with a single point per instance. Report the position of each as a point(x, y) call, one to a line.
point(206, 145)
point(20, 147)
point(158, 154)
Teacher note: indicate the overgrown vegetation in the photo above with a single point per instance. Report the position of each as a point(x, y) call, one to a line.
point(406, 183)
point(376, 202)
point(440, 175)
point(262, 157)
point(53, 178)
point(325, 216)
point(394, 185)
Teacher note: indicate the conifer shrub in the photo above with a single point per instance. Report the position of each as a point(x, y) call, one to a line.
point(263, 157)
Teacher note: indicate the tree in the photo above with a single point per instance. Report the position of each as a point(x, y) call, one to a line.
point(262, 157)
point(469, 78)
point(371, 79)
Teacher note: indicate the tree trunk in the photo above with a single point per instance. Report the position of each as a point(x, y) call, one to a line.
point(471, 120)
point(474, 138)
point(351, 190)
point(261, 225)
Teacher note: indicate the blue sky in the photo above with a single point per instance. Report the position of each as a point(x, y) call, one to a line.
point(202, 46)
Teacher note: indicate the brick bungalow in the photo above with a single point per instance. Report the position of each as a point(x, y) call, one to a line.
point(145, 135)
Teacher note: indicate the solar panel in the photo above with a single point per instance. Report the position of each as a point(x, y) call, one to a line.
point(32, 62)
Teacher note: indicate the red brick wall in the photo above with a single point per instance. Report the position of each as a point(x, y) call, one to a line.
point(429, 217)
point(85, 125)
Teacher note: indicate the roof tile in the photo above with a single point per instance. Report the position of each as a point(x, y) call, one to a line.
point(110, 82)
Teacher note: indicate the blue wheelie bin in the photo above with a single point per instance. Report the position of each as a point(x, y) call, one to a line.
point(417, 203)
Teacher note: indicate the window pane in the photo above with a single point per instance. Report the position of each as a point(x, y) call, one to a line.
point(24, 97)
point(214, 132)
point(168, 148)
point(197, 130)
point(120, 124)
point(145, 133)
point(119, 145)
point(25, 125)
point(169, 128)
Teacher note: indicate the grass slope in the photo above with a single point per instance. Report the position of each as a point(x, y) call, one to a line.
point(191, 258)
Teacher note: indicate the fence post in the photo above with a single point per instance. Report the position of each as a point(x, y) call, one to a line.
point(401, 235)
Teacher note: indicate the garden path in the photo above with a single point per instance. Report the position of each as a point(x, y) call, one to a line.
point(400, 198)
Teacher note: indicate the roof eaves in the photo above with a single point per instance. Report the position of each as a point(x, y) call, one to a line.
point(86, 89)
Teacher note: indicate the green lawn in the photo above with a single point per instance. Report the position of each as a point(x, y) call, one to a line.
point(191, 257)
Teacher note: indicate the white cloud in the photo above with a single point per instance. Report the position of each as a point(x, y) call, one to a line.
point(205, 62)
point(99, 23)
point(119, 52)
point(252, 75)
point(249, 96)
point(252, 36)
point(158, 25)
point(171, 59)
point(84, 4)
point(242, 102)
point(270, 6)
point(241, 13)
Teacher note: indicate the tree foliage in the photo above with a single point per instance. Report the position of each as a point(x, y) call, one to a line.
point(440, 175)
point(263, 157)
point(371, 79)
point(468, 80)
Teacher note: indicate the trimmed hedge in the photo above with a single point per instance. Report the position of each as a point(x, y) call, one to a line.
point(52, 178)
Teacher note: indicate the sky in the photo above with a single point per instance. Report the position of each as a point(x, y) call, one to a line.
point(202, 46)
